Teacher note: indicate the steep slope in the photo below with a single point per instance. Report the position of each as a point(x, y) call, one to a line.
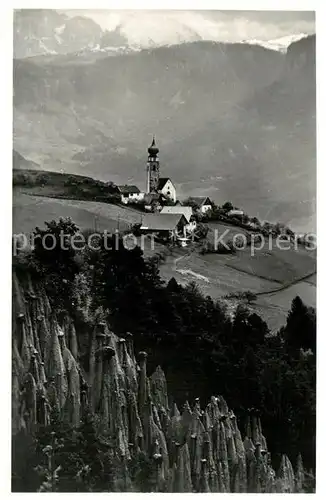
point(194, 450)
point(19, 162)
point(30, 211)
point(270, 150)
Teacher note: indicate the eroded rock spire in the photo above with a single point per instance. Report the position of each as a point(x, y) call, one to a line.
point(190, 449)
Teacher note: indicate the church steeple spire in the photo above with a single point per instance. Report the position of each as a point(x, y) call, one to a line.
point(153, 168)
point(153, 149)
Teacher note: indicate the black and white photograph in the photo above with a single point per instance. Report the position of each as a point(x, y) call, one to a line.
point(164, 250)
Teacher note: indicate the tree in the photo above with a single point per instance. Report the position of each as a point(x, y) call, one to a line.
point(227, 206)
point(71, 459)
point(124, 283)
point(255, 221)
point(189, 202)
point(201, 231)
point(300, 328)
point(217, 213)
point(53, 259)
point(245, 218)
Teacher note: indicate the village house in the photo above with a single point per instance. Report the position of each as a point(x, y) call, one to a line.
point(235, 212)
point(167, 226)
point(203, 203)
point(130, 194)
point(182, 210)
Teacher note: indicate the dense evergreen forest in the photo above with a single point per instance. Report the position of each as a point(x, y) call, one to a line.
point(202, 350)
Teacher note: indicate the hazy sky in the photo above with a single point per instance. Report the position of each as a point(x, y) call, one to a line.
point(172, 26)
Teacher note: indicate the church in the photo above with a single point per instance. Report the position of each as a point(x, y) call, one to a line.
point(159, 190)
point(155, 184)
point(167, 219)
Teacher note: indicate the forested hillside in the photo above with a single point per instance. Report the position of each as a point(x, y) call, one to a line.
point(67, 303)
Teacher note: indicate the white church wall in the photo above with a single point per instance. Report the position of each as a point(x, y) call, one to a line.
point(169, 191)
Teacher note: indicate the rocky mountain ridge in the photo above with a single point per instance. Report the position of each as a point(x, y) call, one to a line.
point(192, 450)
point(48, 32)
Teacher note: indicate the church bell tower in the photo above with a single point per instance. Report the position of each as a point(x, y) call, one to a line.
point(153, 168)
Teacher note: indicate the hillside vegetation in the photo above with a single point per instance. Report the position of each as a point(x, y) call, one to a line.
point(60, 185)
point(109, 425)
point(201, 349)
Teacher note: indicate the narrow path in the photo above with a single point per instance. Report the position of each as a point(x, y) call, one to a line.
point(177, 259)
point(270, 280)
point(188, 271)
point(288, 285)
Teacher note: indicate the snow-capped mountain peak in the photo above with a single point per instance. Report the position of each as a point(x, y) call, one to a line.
point(279, 44)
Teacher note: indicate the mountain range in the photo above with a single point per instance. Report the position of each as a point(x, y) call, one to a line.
point(233, 121)
point(46, 31)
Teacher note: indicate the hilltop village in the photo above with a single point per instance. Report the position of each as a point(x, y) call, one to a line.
point(166, 215)
point(161, 212)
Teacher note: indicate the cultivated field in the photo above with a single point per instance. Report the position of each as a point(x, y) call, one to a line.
point(213, 277)
point(276, 276)
point(269, 262)
point(30, 211)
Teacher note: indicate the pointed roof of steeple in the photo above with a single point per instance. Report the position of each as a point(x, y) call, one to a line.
point(153, 149)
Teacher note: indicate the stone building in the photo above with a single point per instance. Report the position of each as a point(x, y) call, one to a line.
point(155, 183)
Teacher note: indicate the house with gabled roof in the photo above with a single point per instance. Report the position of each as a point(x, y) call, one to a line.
point(168, 226)
point(182, 210)
point(203, 203)
point(130, 194)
